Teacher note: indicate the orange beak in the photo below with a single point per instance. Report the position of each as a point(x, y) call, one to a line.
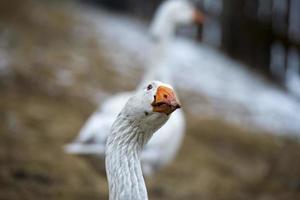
point(198, 17)
point(165, 100)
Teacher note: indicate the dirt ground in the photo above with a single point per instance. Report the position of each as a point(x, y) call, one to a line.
point(40, 112)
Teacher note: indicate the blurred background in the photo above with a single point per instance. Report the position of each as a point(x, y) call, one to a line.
point(237, 76)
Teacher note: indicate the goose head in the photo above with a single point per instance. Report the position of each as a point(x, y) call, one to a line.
point(152, 104)
point(171, 14)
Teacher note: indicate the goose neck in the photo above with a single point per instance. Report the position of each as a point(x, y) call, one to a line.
point(163, 27)
point(125, 178)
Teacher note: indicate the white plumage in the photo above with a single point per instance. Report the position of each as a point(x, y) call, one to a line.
point(146, 111)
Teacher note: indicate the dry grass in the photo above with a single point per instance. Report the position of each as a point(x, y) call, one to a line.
point(219, 161)
point(33, 165)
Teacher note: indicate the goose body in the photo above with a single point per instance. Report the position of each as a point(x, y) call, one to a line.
point(92, 138)
point(93, 135)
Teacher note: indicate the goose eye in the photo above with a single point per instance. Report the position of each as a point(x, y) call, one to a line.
point(149, 87)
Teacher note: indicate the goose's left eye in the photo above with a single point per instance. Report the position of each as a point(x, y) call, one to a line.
point(149, 87)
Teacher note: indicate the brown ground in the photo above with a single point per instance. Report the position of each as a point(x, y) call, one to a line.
point(39, 115)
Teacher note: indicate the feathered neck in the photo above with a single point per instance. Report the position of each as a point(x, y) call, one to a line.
point(163, 25)
point(123, 148)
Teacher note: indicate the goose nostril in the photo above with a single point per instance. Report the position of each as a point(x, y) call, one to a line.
point(165, 96)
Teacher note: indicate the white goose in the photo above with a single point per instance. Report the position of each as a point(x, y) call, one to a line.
point(93, 135)
point(145, 112)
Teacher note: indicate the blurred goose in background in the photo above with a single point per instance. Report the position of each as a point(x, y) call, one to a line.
point(156, 154)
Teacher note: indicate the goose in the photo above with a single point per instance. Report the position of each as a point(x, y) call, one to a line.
point(155, 155)
point(145, 112)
